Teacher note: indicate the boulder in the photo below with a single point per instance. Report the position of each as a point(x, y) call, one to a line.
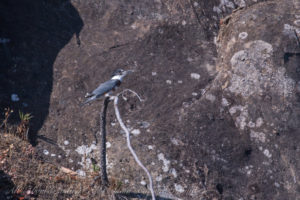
point(220, 81)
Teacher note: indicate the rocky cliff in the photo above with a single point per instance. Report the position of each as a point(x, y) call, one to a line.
point(220, 81)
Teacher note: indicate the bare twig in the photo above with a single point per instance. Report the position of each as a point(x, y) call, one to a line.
point(8, 112)
point(103, 142)
point(128, 140)
point(297, 38)
point(129, 90)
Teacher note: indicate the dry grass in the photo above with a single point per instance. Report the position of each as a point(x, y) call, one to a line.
point(28, 177)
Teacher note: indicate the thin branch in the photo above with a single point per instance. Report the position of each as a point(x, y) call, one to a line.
point(103, 142)
point(118, 45)
point(297, 38)
point(128, 141)
point(129, 90)
point(8, 112)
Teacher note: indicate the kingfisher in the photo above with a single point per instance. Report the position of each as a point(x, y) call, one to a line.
point(108, 86)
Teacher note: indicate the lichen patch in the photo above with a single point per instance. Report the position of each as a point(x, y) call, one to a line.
point(253, 73)
point(166, 162)
point(258, 136)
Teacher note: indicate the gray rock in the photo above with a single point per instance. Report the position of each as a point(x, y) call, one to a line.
point(237, 139)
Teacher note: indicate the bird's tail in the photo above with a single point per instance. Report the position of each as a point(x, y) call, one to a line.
point(88, 101)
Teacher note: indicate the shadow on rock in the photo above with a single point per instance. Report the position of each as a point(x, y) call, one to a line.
point(6, 186)
point(32, 34)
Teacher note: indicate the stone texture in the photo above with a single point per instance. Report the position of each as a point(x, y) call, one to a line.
point(229, 133)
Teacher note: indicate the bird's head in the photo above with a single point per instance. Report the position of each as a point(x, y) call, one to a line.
point(120, 74)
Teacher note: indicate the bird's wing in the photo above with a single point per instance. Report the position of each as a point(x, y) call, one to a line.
point(105, 87)
point(90, 99)
point(101, 90)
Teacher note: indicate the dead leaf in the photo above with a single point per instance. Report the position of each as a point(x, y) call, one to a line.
point(225, 85)
point(68, 171)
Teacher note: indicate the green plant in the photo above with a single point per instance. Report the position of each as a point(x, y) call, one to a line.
point(115, 184)
point(96, 168)
point(25, 117)
point(23, 127)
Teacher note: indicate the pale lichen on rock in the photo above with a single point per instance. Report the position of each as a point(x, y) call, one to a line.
point(258, 136)
point(166, 162)
point(254, 73)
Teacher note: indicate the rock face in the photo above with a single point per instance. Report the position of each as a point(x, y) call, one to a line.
point(221, 116)
point(259, 77)
point(31, 35)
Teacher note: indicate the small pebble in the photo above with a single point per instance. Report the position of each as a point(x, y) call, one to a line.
point(173, 172)
point(179, 188)
point(46, 152)
point(144, 124)
point(81, 173)
point(150, 147)
point(158, 178)
point(195, 76)
point(136, 132)
point(108, 144)
point(189, 59)
point(267, 153)
point(243, 35)
point(225, 102)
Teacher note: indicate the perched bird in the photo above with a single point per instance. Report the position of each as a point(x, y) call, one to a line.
point(108, 86)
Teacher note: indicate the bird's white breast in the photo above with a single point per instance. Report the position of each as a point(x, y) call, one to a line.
point(118, 77)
